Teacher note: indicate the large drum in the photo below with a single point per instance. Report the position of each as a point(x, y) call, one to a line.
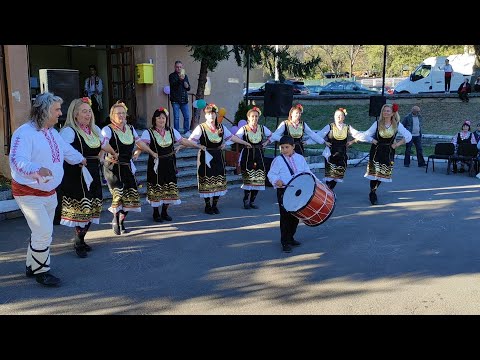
point(308, 199)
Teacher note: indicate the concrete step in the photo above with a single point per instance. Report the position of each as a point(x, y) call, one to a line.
point(184, 184)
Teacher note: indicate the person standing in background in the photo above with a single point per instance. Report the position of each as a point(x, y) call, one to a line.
point(448, 69)
point(476, 86)
point(94, 89)
point(36, 163)
point(179, 87)
point(413, 123)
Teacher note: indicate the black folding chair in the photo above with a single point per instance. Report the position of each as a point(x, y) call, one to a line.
point(468, 154)
point(444, 151)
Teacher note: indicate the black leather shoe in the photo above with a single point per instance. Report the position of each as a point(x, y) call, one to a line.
point(246, 205)
point(86, 246)
point(215, 210)
point(373, 198)
point(157, 218)
point(253, 206)
point(123, 230)
point(422, 165)
point(294, 243)
point(47, 279)
point(167, 217)
point(28, 271)
point(81, 251)
point(286, 248)
point(209, 210)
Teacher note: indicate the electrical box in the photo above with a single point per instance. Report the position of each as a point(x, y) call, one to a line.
point(144, 73)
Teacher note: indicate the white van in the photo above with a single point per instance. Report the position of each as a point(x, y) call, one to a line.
point(429, 78)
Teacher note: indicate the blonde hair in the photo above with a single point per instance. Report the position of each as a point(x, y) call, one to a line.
point(118, 104)
point(395, 118)
point(72, 113)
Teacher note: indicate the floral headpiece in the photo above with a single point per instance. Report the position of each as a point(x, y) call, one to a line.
point(255, 108)
point(299, 107)
point(121, 103)
point(162, 109)
point(213, 106)
point(395, 107)
point(467, 122)
point(343, 110)
point(86, 100)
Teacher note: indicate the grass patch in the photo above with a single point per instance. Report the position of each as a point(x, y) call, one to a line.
point(5, 184)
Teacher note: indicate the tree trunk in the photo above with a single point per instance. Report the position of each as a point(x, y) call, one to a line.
point(202, 81)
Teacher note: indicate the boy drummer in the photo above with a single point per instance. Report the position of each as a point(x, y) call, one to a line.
point(284, 167)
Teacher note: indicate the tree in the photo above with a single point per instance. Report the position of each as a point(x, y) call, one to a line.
point(209, 56)
point(288, 63)
point(353, 51)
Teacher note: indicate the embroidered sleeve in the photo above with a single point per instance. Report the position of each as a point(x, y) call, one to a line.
point(267, 133)
point(20, 157)
point(177, 135)
point(318, 139)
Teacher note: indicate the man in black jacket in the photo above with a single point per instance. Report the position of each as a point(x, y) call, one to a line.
point(413, 123)
point(179, 87)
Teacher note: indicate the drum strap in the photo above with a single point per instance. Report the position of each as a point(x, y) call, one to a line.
point(286, 162)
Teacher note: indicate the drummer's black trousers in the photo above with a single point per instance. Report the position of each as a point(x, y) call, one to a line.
point(288, 222)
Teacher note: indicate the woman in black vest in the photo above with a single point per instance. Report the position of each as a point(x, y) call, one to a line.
point(296, 128)
point(212, 178)
point(120, 175)
point(162, 173)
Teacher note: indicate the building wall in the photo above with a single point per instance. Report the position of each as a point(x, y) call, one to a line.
point(151, 97)
point(18, 94)
point(226, 80)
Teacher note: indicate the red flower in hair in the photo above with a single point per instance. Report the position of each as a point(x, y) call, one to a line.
point(299, 107)
point(86, 100)
point(162, 109)
point(395, 107)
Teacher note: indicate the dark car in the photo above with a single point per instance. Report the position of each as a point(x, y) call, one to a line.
point(298, 89)
point(346, 87)
point(314, 89)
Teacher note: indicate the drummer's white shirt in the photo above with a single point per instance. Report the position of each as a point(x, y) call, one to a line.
point(279, 170)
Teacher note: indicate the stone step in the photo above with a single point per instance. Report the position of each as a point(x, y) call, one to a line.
point(183, 184)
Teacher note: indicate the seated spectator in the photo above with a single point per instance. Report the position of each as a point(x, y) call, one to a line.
point(476, 86)
point(464, 89)
point(462, 137)
point(476, 133)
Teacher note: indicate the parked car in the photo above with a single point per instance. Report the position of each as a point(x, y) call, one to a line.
point(314, 89)
point(346, 87)
point(299, 88)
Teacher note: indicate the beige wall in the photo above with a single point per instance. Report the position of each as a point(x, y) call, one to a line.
point(18, 93)
point(224, 93)
point(226, 81)
point(151, 97)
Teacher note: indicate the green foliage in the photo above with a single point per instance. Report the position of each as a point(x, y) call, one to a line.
point(210, 55)
point(287, 60)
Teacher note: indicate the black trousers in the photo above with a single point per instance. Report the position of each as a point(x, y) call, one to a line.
point(288, 222)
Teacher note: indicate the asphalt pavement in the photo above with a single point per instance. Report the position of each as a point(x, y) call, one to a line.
point(416, 252)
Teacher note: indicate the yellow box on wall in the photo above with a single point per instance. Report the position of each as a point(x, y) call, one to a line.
point(144, 73)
